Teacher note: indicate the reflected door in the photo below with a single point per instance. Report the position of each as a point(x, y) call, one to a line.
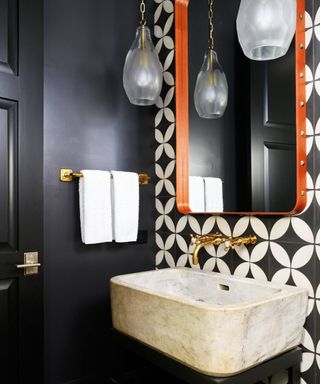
point(273, 134)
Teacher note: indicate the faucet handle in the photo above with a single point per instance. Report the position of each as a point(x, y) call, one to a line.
point(194, 238)
point(253, 239)
point(227, 245)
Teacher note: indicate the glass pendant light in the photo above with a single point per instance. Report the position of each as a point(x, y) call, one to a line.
point(211, 91)
point(142, 74)
point(266, 27)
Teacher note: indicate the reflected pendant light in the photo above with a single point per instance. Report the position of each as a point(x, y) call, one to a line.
point(142, 73)
point(211, 91)
point(266, 27)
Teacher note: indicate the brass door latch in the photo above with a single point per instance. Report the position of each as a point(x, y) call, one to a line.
point(31, 265)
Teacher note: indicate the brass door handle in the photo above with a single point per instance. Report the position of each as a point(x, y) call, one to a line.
point(31, 264)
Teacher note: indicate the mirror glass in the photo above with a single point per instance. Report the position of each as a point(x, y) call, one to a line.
point(248, 160)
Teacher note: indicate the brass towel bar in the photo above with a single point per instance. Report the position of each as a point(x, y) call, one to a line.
point(67, 175)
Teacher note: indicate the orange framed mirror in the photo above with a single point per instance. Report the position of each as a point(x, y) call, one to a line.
point(187, 40)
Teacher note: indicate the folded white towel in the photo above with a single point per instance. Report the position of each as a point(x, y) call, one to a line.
point(213, 191)
point(95, 207)
point(125, 197)
point(196, 194)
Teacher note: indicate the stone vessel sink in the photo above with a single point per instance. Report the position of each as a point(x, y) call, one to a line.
point(217, 324)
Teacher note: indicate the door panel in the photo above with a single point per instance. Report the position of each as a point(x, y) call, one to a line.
point(280, 86)
point(8, 36)
point(8, 175)
point(9, 330)
point(277, 163)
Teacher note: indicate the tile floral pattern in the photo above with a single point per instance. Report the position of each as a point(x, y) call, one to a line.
point(288, 250)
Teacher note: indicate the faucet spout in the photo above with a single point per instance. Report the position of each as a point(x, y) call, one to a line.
point(200, 241)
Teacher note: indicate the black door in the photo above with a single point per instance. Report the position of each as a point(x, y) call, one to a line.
point(21, 149)
point(273, 127)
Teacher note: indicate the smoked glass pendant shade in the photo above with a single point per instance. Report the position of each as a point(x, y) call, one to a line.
point(266, 27)
point(211, 91)
point(142, 74)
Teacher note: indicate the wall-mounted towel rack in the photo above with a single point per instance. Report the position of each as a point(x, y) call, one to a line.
point(67, 175)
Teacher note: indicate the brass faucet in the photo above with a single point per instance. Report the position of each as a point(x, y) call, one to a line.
point(217, 238)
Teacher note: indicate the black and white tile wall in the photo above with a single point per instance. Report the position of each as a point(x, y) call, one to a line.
point(288, 250)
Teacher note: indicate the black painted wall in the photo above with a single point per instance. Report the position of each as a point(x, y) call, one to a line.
point(88, 123)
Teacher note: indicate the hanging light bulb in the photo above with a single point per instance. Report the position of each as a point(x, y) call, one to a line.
point(142, 73)
point(266, 27)
point(211, 91)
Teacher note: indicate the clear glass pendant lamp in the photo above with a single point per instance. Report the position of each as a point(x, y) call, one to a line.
point(266, 27)
point(142, 74)
point(211, 91)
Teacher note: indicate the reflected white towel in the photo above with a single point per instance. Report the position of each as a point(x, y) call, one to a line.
point(196, 194)
point(125, 198)
point(95, 207)
point(213, 190)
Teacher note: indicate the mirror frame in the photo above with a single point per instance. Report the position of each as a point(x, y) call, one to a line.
point(182, 113)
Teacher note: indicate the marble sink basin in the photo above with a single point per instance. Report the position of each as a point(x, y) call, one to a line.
point(217, 324)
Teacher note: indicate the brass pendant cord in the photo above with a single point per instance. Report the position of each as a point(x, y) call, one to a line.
point(142, 12)
point(143, 23)
point(210, 18)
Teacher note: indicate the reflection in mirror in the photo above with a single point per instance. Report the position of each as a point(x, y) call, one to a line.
point(246, 161)
point(211, 90)
point(205, 194)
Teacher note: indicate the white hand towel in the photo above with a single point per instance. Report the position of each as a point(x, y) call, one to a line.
point(196, 194)
point(95, 207)
point(213, 194)
point(125, 196)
